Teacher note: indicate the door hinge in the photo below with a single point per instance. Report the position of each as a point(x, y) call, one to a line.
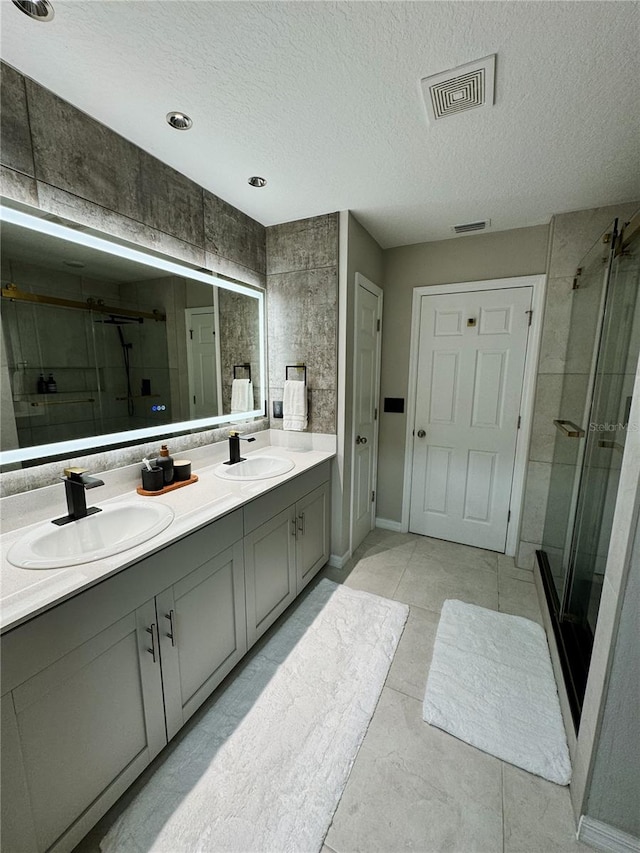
point(508, 516)
point(373, 497)
point(191, 334)
point(530, 313)
point(519, 421)
point(378, 325)
point(375, 414)
point(194, 399)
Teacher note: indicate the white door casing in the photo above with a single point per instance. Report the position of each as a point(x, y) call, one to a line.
point(470, 368)
point(366, 391)
point(203, 362)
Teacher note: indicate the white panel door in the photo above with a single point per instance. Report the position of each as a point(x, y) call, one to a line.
point(368, 311)
point(203, 362)
point(470, 374)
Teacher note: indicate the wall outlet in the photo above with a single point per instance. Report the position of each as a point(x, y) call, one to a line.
point(277, 408)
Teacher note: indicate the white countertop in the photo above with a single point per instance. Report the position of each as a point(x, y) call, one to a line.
point(24, 593)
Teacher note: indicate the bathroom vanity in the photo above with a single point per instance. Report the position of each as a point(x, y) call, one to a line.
point(96, 684)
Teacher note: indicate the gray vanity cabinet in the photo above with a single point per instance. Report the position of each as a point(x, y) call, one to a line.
point(287, 538)
point(201, 623)
point(79, 732)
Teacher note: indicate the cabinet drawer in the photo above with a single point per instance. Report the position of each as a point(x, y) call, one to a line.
point(278, 499)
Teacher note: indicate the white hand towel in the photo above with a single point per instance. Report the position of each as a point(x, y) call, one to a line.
point(241, 395)
point(294, 405)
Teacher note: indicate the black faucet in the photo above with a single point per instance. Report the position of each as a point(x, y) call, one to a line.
point(75, 482)
point(234, 447)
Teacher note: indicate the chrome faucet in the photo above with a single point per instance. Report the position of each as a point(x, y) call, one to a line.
point(75, 482)
point(234, 447)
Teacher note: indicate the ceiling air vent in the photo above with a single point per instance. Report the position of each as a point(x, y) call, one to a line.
point(472, 226)
point(466, 87)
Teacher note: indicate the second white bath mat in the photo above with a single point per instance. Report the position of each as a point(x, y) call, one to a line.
point(491, 684)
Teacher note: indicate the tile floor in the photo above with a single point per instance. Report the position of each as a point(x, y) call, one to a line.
point(412, 786)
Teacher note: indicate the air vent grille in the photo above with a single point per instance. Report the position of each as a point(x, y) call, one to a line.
point(472, 226)
point(464, 88)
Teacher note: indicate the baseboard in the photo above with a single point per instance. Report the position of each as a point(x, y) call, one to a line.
point(387, 524)
point(602, 836)
point(339, 562)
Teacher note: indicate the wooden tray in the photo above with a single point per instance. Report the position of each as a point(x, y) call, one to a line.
point(192, 479)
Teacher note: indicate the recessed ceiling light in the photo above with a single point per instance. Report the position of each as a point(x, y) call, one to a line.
point(39, 10)
point(256, 181)
point(179, 121)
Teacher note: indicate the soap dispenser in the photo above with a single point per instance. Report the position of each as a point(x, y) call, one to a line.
point(42, 384)
point(165, 462)
point(52, 385)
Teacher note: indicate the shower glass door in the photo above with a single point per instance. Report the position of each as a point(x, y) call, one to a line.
point(573, 411)
point(606, 437)
point(593, 422)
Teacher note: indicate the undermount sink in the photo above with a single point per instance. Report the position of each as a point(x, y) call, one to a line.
point(255, 468)
point(116, 528)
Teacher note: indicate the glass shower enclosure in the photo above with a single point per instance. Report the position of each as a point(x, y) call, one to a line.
point(591, 429)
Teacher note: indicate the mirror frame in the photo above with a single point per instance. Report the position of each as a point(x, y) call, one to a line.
point(173, 267)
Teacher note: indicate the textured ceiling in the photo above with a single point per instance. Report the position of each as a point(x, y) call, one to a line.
point(324, 100)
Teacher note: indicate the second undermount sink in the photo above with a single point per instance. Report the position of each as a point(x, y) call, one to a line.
point(255, 468)
point(113, 530)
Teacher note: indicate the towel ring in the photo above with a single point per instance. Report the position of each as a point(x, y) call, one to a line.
point(246, 366)
point(296, 367)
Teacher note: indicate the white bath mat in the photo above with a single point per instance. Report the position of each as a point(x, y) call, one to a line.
point(491, 684)
point(264, 768)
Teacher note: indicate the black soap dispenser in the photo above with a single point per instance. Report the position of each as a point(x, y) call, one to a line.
point(52, 385)
point(165, 462)
point(42, 384)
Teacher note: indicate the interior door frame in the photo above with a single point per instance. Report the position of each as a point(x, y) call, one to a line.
point(362, 281)
point(538, 283)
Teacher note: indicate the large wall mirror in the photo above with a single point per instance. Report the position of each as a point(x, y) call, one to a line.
point(103, 343)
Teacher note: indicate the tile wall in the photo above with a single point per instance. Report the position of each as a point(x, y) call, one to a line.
point(302, 297)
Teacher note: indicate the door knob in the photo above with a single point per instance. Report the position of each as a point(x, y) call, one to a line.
point(421, 433)
point(361, 439)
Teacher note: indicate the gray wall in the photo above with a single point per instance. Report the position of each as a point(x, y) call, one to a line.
point(364, 256)
point(522, 251)
point(302, 300)
point(614, 796)
point(572, 235)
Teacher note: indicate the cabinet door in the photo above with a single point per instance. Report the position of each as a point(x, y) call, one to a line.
point(270, 572)
point(87, 725)
point(202, 624)
point(312, 534)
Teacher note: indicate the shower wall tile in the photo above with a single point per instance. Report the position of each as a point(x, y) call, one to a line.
point(303, 245)
point(576, 232)
point(15, 137)
point(232, 235)
point(17, 186)
point(546, 408)
point(535, 501)
point(78, 154)
point(555, 330)
point(72, 207)
point(170, 202)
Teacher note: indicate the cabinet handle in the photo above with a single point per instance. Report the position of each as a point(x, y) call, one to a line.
point(152, 650)
point(301, 523)
point(294, 529)
point(172, 632)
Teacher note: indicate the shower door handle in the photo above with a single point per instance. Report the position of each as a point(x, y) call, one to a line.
point(569, 429)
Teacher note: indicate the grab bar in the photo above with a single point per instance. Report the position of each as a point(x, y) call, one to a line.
point(569, 429)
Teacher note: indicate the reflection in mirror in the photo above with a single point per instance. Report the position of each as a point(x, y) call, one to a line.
point(102, 343)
